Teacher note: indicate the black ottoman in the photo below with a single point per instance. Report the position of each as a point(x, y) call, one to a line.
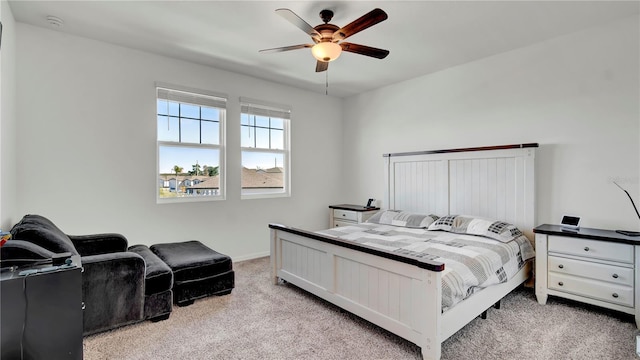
point(158, 280)
point(198, 271)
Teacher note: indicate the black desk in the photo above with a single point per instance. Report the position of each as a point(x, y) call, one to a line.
point(49, 305)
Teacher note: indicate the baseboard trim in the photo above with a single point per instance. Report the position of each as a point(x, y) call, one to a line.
point(250, 256)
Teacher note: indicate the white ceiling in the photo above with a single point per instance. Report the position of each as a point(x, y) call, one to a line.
point(422, 36)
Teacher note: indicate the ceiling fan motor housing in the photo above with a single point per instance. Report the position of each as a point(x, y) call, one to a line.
point(326, 15)
point(326, 32)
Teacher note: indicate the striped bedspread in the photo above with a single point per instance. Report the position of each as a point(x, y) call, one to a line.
point(471, 262)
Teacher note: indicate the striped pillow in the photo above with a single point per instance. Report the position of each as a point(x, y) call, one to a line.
point(403, 219)
point(462, 224)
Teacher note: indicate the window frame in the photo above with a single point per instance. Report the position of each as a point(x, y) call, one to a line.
point(220, 99)
point(271, 110)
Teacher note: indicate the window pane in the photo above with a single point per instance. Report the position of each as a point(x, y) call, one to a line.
point(210, 113)
point(246, 119)
point(162, 107)
point(168, 129)
point(262, 121)
point(262, 173)
point(247, 136)
point(167, 107)
point(277, 139)
point(210, 132)
point(262, 160)
point(189, 131)
point(174, 109)
point(262, 138)
point(186, 157)
point(277, 123)
point(188, 110)
point(192, 179)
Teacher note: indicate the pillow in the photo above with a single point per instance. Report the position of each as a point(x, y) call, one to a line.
point(402, 218)
point(444, 223)
point(42, 232)
point(462, 224)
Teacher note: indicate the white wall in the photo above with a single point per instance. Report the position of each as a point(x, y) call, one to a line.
point(8, 176)
point(576, 95)
point(86, 148)
point(86, 125)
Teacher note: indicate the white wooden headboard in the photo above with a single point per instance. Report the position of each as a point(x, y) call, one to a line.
point(496, 182)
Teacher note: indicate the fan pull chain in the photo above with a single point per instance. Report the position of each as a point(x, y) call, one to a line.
point(326, 84)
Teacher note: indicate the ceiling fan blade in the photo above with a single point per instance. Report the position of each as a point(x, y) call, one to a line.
point(296, 20)
point(322, 66)
point(286, 48)
point(365, 50)
point(367, 20)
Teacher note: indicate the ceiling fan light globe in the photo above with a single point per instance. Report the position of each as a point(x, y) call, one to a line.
point(326, 51)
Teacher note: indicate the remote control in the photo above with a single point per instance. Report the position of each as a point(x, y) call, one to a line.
point(27, 272)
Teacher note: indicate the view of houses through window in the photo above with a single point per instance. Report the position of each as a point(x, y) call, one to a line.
point(190, 144)
point(264, 137)
point(191, 147)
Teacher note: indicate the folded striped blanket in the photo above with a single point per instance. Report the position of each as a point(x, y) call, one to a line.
point(472, 262)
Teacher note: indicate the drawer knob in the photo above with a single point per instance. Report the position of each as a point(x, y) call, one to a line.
point(615, 276)
point(560, 283)
point(586, 248)
point(615, 295)
point(561, 266)
point(344, 214)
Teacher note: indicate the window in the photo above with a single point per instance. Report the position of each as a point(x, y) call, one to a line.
point(190, 145)
point(264, 138)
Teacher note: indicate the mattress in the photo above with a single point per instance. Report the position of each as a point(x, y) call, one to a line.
point(472, 262)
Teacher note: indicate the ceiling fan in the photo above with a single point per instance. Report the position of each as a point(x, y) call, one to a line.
point(327, 38)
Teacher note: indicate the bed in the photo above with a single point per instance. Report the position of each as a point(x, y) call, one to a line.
point(400, 292)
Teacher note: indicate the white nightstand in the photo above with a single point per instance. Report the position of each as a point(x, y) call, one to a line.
point(597, 267)
point(347, 214)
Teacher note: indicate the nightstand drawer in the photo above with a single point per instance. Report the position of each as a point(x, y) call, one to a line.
point(615, 274)
point(612, 293)
point(340, 223)
point(345, 215)
point(591, 248)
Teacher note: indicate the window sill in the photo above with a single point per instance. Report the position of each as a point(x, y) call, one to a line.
point(188, 199)
point(264, 196)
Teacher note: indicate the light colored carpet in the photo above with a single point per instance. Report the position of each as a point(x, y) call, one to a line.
point(259, 320)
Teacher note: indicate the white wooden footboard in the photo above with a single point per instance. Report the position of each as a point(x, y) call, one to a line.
point(403, 297)
point(400, 297)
